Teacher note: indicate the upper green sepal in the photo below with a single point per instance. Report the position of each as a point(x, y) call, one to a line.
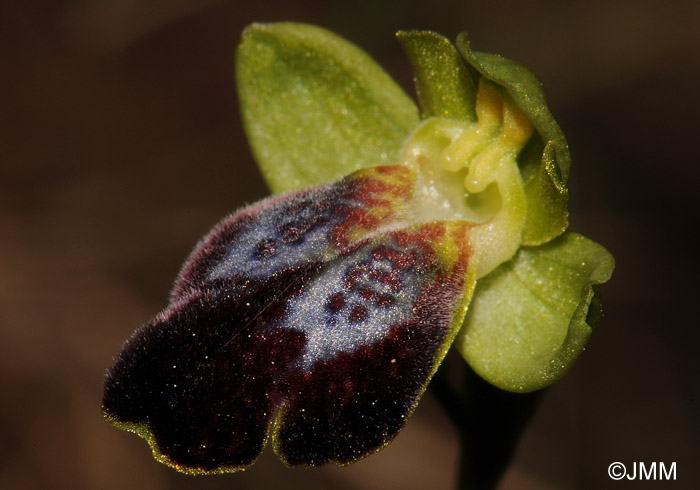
point(531, 318)
point(316, 107)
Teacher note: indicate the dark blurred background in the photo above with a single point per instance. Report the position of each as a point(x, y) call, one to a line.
point(120, 145)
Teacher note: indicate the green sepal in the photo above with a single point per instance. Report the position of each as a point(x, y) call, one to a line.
point(531, 318)
point(316, 107)
point(526, 91)
point(443, 84)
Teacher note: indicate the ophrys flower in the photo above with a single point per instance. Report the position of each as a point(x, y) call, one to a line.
point(321, 315)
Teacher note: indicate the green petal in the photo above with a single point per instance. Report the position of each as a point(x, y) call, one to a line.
point(531, 318)
point(315, 107)
point(546, 177)
point(443, 84)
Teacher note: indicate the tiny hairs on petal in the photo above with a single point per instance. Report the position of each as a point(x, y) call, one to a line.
point(318, 316)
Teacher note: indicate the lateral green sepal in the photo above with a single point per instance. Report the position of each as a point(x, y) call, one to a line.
point(531, 318)
point(316, 107)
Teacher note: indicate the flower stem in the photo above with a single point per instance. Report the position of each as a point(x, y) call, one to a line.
point(488, 420)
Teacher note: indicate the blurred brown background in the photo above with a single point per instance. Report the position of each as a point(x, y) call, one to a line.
point(120, 145)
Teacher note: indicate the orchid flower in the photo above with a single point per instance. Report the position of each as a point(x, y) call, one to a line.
point(320, 315)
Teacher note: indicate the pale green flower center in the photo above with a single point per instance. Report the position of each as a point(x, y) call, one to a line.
point(469, 171)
